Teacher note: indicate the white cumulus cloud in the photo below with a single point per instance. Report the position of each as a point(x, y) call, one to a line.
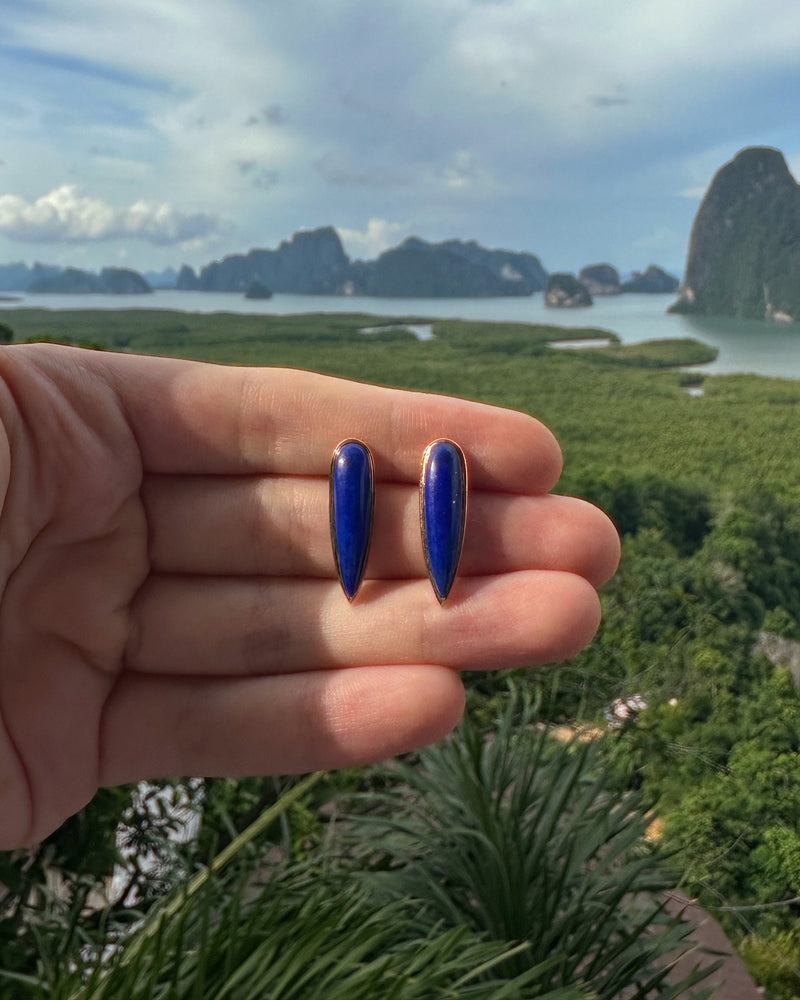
point(65, 216)
point(379, 235)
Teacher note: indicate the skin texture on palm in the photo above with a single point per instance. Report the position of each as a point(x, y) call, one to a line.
point(169, 598)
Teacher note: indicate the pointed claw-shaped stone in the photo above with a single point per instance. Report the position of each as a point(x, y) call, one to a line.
point(443, 512)
point(352, 505)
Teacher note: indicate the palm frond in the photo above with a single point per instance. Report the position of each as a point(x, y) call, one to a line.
point(518, 837)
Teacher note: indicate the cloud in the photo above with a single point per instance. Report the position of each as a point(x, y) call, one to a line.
point(463, 171)
point(379, 235)
point(550, 66)
point(342, 170)
point(258, 175)
point(64, 216)
point(498, 119)
point(608, 100)
point(273, 114)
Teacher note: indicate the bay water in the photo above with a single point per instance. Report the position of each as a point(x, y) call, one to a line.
point(764, 348)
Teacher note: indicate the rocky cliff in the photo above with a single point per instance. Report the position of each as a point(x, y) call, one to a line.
point(315, 262)
point(523, 270)
point(312, 262)
point(564, 291)
point(187, 280)
point(600, 279)
point(123, 281)
point(654, 281)
point(418, 269)
point(744, 252)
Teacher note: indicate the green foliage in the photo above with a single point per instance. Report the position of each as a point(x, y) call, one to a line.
point(656, 353)
point(681, 512)
point(772, 960)
point(229, 806)
point(6, 334)
point(781, 856)
point(778, 621)
point(46, 888)
point(737, 828)
point(582, 922)
point(517, 339)
point(300, 935)
point(759, 539)
point(718, 747)
point(522, 839)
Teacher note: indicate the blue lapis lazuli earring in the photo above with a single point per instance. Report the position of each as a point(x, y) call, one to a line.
point(443, 512)
point(352, 506)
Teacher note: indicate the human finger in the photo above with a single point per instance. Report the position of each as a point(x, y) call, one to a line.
point(155, 726)
point(192, 417)
point(249, 626)
point(279, 526)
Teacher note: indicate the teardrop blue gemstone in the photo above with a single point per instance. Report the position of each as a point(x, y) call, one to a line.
point(352, 503)
point(443, 503)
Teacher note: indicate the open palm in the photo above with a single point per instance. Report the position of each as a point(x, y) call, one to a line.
point(169, 598)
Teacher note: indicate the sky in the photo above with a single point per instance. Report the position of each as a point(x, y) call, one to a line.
point(153, 133)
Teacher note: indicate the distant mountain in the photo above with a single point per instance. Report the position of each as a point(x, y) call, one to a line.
point(314, 262)
point(18, 277)
point(603, 279)
point(417, 269)
point(110, 281)
point(600, 279)
point(654, 281)
point(522, 269)
point(123, 281)
point(14, 277)
point(311, 263)
point(67, 282)
point(187, 280)
point(744, 252)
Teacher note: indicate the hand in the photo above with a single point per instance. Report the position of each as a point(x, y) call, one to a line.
point(169, 599)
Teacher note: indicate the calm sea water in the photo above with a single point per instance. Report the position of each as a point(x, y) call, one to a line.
point(763, 348)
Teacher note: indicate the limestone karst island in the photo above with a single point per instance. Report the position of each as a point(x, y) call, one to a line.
point(743, 261)
point(744, 252)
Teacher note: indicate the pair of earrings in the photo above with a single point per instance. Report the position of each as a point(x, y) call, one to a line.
point(442, 511)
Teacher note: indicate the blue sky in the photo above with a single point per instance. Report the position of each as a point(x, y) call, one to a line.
point(150, 133)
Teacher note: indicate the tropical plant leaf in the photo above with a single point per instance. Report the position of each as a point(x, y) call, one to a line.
point(520, 838)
